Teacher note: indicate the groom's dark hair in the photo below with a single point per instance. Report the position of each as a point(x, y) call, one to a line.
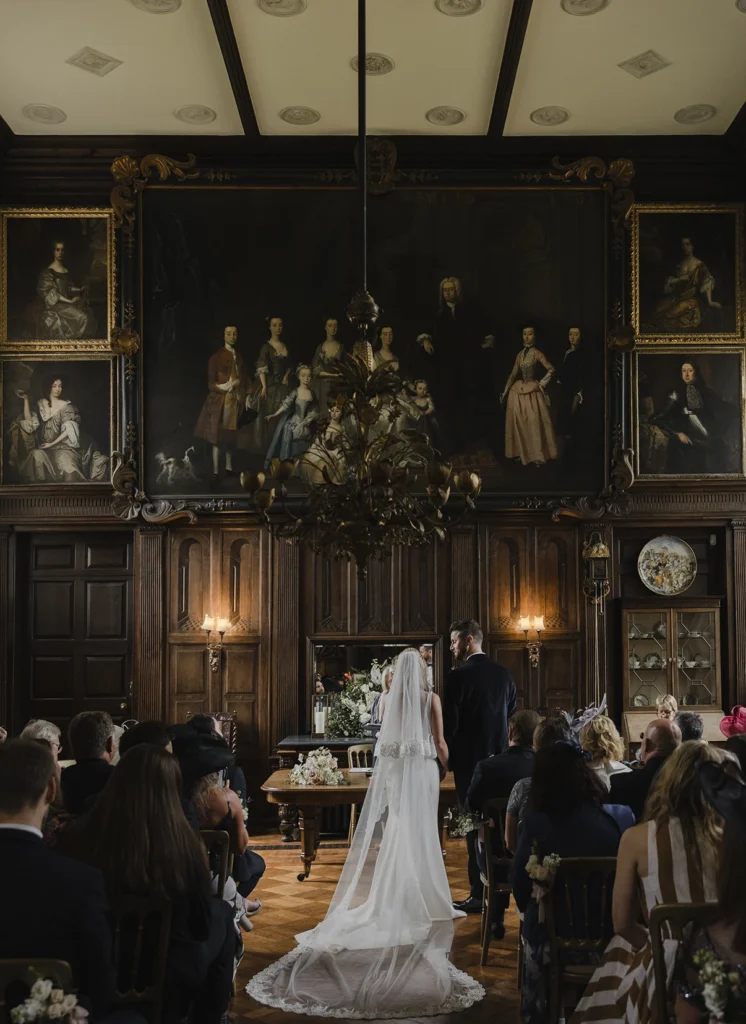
point(467, 627)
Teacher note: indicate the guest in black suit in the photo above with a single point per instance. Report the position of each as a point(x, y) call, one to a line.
point(51, 906)
point(662, 737)
point(479, 699)
point(495, 777)
point(94, 747)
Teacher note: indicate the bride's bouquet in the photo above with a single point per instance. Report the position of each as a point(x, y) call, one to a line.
point(319, 768)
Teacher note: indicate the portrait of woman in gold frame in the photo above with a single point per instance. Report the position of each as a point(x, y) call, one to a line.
point(58, 414)
point(57, 287)
point(689, 413)
point(687, 272)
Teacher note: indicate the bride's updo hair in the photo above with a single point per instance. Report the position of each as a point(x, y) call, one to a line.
point(420, 662)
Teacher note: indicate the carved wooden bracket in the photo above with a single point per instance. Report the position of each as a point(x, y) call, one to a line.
point(131, 177)
point(131, 504)
point(612, 501)
point(614, 179)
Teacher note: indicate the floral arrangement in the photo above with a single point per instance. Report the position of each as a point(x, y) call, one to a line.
point(48, 1003)
point(462, 825)
point(349, 711)
point(723, 991)
point(319, 768)
point(541, 872)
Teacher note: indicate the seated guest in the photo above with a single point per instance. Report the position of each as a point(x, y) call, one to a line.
point(737, 745)
point(38, 729)
point(631, 788)
point(602, 741)
point(155, 733)
point(670, 858)
point(233, 774)
point(51, 906)
point(546, 734)
point(137, 835)
point(726, 936)
point(495, 777)
point(691, 725)
point(667, 706)
point(91, 735)
point(568, 819)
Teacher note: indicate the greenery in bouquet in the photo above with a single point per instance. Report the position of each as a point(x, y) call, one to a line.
point(319, 768)
point(349, 711)
point(723, 988)
point(462, 824)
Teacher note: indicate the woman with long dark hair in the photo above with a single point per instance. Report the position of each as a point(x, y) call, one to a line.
point(137, 835)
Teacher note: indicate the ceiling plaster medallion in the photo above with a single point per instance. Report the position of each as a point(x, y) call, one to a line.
point(300, 115)
point(741, 5)
point(282, 8)
point(459, 8)
point(695, 114)
point(157, 6)
point(44, 114)
point(195, 113)
point(582, 7)
point(97, 63)
point(375, 64)
point(644, 64)
point(550, 117)
point(446, 117)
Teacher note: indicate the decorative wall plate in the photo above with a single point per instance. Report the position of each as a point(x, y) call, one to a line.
point(667, 565)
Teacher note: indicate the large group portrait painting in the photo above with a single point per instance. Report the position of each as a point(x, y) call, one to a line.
point(492, 316)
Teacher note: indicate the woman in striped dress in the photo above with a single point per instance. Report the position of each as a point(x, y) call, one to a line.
point(671, 857)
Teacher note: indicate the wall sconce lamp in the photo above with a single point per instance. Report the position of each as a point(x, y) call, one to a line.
point(214, 649)
point(535, 624)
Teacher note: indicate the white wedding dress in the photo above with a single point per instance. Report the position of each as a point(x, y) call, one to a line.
point(382, 949)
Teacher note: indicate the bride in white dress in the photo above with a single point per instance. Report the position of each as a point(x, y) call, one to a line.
point(382, 949)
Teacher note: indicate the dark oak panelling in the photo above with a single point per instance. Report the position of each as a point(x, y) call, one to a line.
point(738, 689)
point(286, 641)
point(149, 622)
point(507, 578)
point(464, 574)
point(331, 594)
point(418, 589)
point(556, 587)
point(514, 656)
point(559, 685)
point(191, 585)
point(241, 571)
point(374, 606)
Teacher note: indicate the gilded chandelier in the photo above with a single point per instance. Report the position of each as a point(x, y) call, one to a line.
point(366, 475)
point(377, 486)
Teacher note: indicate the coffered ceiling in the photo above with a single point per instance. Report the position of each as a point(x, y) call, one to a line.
point(436, 67)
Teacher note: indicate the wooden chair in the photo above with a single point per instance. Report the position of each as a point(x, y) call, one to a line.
point(674, 917)
point(218, 841)
point(589, 919)
point(360, 755)
point(28, 970)
point(497, 857)
point(140, 965)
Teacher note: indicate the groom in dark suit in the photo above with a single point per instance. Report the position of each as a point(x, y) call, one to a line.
point(478, 701)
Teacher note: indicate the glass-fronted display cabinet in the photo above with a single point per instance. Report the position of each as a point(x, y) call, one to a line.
point(672, 648)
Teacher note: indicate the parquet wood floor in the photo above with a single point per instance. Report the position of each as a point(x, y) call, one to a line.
point(290, 906)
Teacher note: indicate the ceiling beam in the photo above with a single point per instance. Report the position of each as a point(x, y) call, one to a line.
point(223, 25)
point(519, 16)
point(6, 135)
point(736, 133)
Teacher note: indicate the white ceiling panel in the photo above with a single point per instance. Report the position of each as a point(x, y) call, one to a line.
point(304, 61)
point(572, 62)
point(168, 62)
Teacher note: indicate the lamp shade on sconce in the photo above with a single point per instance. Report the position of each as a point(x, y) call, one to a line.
point(222, 625)
point(524, 623)
point(537, 623)
point(209, 623)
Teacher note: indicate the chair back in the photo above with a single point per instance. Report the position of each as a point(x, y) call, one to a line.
point(226, 722)
point(673, 918)
point(141, 929)
point(360, 755)
point(495, 852)
point(582, 889)
point(26, 971)
point(218, 844)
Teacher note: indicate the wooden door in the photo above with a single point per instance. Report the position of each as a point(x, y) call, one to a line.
point(75, 627)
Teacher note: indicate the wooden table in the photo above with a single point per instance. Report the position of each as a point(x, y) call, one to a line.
point(310, 799)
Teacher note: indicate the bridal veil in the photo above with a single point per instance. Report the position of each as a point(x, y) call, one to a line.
point(382, 949)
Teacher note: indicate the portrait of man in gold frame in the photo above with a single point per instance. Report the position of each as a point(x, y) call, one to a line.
point(58, 414)
point(57, 288)
point(689, 413)
point(687, 272)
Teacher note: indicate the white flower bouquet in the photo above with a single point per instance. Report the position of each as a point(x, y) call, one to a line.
point(47, 1002)
point(462, 825)
point(319, 768)
point(723, 990)
point(542, 873)
point(349, 711)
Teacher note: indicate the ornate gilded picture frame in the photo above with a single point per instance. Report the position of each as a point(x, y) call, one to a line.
point(57, 289)
point(689, 413)
point(59, 415)
point(687, 273)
